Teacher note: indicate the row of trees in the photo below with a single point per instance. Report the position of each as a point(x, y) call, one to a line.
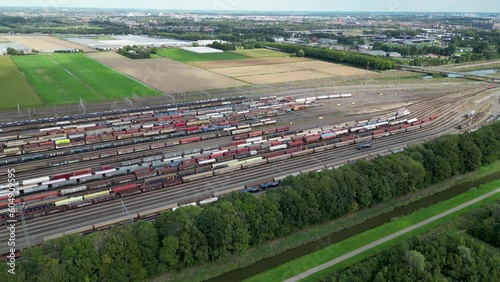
point(223, 46)
point(193, 235)
point(136, 52)
point(350, 58)
point(435, 256)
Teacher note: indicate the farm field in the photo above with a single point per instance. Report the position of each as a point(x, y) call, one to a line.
point(187, 56)
point(260, 53)
point(274, 70)
point(16, 88)
point(65, 78)
point(98, 77)
point(54, 84)
point(44, 42)
point(166, 75)
point(247, 62)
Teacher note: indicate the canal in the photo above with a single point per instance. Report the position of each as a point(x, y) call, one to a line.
point(291, 254)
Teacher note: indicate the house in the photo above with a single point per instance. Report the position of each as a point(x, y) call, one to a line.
point(278, 38)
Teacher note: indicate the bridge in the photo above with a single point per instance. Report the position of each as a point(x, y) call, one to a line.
point(445, 72)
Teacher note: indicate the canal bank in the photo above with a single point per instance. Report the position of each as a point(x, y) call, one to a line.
point(367, 224)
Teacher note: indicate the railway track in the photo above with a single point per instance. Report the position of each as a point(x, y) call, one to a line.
point(50, 225)
point(70, 220)
point(416, 108)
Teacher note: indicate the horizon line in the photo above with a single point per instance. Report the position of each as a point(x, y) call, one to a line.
point(218, 10)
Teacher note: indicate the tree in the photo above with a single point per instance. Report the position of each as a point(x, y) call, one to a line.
point(168, 251)
point(81, 260)
point(146, 236)
point(415, 259)
point(11, 51)
point(121, 257)
point(300, 53)
point(214, 226)
point(53, 271)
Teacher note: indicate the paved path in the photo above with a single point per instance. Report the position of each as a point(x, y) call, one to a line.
point(389, 237)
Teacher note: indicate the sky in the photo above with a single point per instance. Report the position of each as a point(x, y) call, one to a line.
point(276, 5)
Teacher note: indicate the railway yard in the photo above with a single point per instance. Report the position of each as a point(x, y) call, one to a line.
point(84, 173)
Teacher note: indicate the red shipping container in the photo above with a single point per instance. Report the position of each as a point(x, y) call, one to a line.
point(312, 139)
point(296, 144)
point(190, 140)
point(241, 150)
point(124, 188)
point(65, 175)
point(240, 136)
point(254, 134)
point(239, 142)
point(268, 131)
point(273, 154)
point(292, 150)
point(350, 137)
point(38, 197)
point(282, 128)
point(217, 154)
point(80, 172)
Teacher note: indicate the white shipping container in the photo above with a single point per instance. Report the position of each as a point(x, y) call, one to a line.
point(35, 180)
point(80, 176)
point(279, 147)
point(105, 171)
point(208, 201)
point(250, 140)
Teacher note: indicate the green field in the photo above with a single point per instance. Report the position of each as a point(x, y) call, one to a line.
point(307, 262)
point(15, 88)
point(65, 78)
point(54, 84)
point(105, 81)
point(260, 53)
point(186, 56)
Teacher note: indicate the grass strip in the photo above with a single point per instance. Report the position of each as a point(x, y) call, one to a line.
point(336, 250)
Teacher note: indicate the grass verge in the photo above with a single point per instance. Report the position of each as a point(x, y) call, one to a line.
point(187, 56)
point(336, 250)
point(208, 270)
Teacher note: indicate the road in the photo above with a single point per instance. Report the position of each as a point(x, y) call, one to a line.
point(389, 237)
